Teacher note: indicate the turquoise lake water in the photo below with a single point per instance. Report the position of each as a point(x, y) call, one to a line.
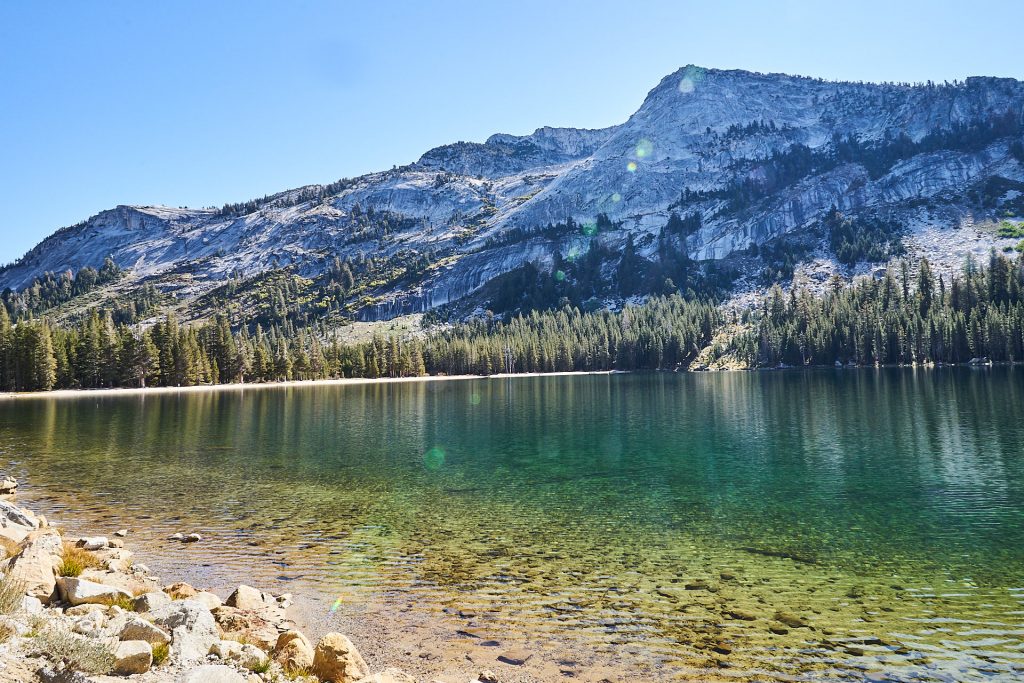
point(795, 525)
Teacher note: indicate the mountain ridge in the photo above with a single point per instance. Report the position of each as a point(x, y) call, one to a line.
point(756, 158)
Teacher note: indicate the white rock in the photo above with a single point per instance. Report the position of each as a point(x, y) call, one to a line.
point(140, 629)
point(250, 657)
point(213, 673)
point(132, 657)
point(8, 485)
point(92, 542)
point(91, 624)
point(193, 629)
point(121, 533)
point(247, 597)
point(225, 649)
point(147, 602)
point(31, 606)
point(192, 538)
point(176, 537)
point(77, 591)
point(211, 600)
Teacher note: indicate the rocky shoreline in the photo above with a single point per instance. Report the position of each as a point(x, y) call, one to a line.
point(79, 610)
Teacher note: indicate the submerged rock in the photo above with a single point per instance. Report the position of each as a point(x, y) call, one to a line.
point(515, 657)
point(790, 619)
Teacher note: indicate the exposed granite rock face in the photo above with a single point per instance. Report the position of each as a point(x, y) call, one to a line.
point(473, 204)
point(37, 562)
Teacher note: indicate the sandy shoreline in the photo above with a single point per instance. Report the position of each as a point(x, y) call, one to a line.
point(79, 393)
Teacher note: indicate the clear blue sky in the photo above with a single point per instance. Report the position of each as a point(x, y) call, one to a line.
point(200, 103)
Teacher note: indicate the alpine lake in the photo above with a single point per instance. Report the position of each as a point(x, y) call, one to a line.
point(794, 525)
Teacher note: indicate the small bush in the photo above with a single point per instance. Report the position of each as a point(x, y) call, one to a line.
point(76, 560)
point(81, 654)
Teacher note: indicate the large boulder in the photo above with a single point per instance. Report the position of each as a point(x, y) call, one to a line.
point(213, 673)
point(336, 659)
point(293, 651)
point(37, 562)
point(132, 657)
point(77, 591)
point(129, 583)
point(192, 628)
point(247, 597)
point(247, 626)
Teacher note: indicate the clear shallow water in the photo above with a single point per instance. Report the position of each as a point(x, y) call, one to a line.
point(883, 509)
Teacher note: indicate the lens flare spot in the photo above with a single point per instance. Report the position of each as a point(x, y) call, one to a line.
point(691, 77)
point(560, 275)
point(616, 197)
point(644, 149)
point(631, 167)
point(434, 458)
point(589, 229)
point(474, 399)
point(336, 606)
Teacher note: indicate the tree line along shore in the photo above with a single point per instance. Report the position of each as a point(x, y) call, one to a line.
point(907, 316)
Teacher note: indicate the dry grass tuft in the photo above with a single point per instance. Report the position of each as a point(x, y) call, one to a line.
point(76, 560)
